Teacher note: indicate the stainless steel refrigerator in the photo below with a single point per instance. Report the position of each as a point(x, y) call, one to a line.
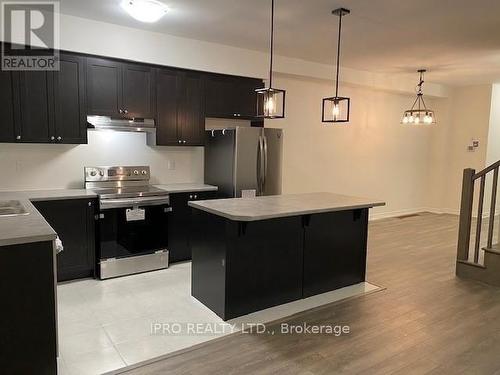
point(244, 160)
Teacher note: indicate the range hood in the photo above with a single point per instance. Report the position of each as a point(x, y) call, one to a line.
point(122, 125)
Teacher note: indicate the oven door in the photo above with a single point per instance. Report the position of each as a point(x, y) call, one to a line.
point(133, 234)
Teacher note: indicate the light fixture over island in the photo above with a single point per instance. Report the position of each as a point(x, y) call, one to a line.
point(250, 254)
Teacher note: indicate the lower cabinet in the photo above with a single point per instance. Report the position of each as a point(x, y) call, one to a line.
point(179, 223)
point(74, 222)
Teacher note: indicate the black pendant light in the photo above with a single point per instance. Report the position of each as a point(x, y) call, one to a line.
point(336, 108)
point(271, 101)
point(419, 114)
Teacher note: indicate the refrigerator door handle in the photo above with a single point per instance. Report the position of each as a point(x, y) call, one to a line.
point(259, 165)
point(264, 175)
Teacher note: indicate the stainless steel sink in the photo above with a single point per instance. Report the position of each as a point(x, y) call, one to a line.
point(12, 208)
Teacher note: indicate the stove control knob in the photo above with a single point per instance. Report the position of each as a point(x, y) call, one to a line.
point(136, 172)
point(101, 173)
point(93, 173)
point(144, 172)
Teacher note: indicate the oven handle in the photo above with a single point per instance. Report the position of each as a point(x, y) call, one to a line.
point(106, 204)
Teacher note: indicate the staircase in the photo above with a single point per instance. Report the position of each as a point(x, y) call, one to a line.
point(478, 258)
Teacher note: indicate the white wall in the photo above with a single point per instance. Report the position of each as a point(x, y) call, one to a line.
point(35, 166)
point(467, 118)
point(493, 151)
point(372, 156)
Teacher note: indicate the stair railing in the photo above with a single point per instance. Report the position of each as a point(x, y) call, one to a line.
point(466, 207)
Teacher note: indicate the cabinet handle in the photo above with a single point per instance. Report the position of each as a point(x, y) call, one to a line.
point(183, 141)
point(120, 110)
point(180, 141)
point(59, 139)
point(195, 196)
point(18, 137)
point(52, 138)
point(125, 111)
point(190, 197)
point(90, 204)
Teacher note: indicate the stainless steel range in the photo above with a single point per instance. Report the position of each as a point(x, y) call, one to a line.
point(133, 220)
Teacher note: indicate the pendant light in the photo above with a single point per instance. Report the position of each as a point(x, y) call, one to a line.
point(336, 108)
point(271, 101)
point(419, 114)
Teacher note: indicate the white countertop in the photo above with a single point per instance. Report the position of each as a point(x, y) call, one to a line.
point(33, 227)
point(275, 206)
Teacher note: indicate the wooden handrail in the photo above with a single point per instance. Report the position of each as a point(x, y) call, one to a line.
point(486, 170)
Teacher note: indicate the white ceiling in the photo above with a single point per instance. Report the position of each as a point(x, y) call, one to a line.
point(458, 41)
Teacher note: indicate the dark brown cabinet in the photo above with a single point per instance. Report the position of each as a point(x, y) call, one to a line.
point(179, 223)
point(33, 100)
point(231, 97)
point(74, 222)
point(180, 108)
point(192, 110)
point(104, 88)
point(7, 126)
point(70, 125)
point(138, 91)
point(43, 106)
point(167, 104)
point(119, 89)
point(52, 107)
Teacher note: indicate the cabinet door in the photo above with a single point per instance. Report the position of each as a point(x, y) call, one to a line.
point(104, 87)
point(334, 250)
point(246, 97)
point(167, 103)
point(35, 93)
point(7, 125)
point(192, 111)
point(138, 91)
point(179, 223)
point(219, 91)
point(74, 222)
point(69, 101)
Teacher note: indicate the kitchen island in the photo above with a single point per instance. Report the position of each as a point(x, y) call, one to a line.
point(249, 254)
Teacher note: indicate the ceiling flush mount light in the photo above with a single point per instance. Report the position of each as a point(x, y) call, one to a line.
point(336, 108)
point(145, 10)
point(419, 114)
point(271, 101)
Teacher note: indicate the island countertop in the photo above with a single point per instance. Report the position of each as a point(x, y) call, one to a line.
point(275, 206)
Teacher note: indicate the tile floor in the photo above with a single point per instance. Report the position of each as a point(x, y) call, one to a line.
point(107, 325)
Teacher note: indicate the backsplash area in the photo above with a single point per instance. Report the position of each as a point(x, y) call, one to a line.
point(52, 166)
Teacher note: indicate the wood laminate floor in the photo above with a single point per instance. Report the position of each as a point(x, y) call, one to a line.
point(426, 322)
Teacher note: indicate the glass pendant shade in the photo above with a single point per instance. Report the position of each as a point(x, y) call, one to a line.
point(270, 103)
point(419, 114)
point(336, 109)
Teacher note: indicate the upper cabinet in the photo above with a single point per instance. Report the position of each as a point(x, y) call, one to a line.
point(231, 97)
point(44, 106)
point(180, 119)
point(138, 90)
point(104, 87)
point(8, 125)
point(34, 101)
point(119, 89)
point(70, 124)
point(52, 106)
